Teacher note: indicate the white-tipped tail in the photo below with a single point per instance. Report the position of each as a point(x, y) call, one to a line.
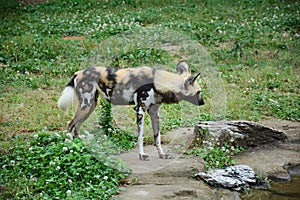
point(67, 98)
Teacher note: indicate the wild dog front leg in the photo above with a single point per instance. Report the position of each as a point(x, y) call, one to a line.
point(153, 112)
point(140, 113)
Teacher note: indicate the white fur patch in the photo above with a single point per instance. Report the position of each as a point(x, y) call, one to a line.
point(127, 94)
point(140, 141)
point(135, 99)
point(67, 98)
point(107, 93)
point(87, 97)
point(150, 99)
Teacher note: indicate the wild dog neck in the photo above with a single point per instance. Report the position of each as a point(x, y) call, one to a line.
point(169, 86)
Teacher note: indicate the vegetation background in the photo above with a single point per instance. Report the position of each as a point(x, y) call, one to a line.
point(255, 45)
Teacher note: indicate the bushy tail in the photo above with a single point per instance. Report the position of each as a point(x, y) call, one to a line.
point(67, 99)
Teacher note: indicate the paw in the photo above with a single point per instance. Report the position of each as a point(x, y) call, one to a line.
point(165, 156)
point(144, 157)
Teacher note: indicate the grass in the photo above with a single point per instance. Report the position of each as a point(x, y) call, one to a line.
point(247, 51)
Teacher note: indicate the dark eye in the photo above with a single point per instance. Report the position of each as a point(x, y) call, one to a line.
point(198, 92)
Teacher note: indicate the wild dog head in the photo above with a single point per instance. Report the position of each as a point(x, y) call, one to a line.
point(191, 89)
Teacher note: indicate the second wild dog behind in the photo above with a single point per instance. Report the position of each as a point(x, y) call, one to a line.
point(146, 88)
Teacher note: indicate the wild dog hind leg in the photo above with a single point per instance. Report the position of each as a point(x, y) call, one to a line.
point(140, 113)
point(153, 112)
point(80, 116)
point(87, 100)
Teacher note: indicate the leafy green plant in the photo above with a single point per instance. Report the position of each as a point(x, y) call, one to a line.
point(119, 137)
point(219, 156)
point(216, 155)
point(48, 165)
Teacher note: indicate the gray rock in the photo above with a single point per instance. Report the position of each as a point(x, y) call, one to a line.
point(293, 169)
point(235, 178)
point(280, 177)
point(242, 133)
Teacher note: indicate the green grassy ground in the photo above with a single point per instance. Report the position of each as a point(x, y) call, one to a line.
point(254, 45)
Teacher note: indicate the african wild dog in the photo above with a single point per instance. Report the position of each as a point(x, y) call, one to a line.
point(146, 88)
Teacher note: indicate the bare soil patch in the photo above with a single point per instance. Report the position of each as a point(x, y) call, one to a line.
point(74, 38)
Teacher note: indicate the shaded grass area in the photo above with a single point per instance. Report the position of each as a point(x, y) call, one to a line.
point(255, 46)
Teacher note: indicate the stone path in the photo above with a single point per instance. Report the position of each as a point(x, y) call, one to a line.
point(170, 179)
point(167, 179)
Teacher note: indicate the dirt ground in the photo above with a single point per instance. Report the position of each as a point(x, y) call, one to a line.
point(172, 179)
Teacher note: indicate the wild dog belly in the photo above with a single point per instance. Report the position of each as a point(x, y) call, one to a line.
point(122, 96)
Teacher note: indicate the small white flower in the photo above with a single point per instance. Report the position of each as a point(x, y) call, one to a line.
point(69, 192)
point(67, 140)
point(105, 177)
point(64, 149)
point(251, 80)
point(35, 136)
point(57, 134)
point(58, 168)
point(12, 162)
point(232, 148)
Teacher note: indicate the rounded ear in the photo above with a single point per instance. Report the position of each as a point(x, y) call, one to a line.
point(182, 68)
point(191, 80)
